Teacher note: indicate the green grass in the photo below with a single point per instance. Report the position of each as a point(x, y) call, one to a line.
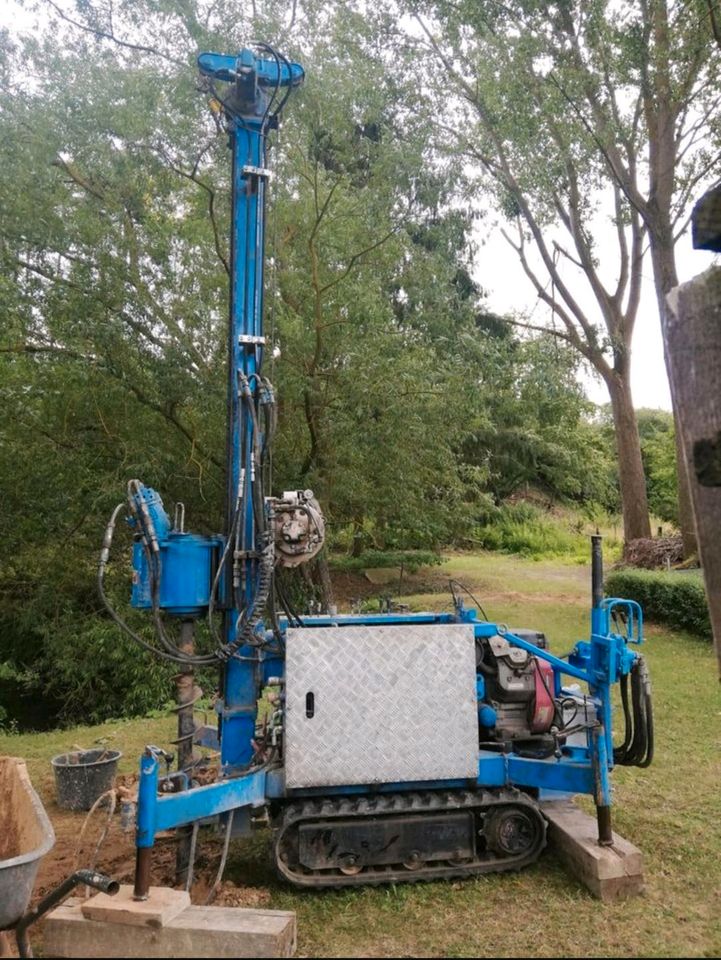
point(672, 811)
point(128, 736)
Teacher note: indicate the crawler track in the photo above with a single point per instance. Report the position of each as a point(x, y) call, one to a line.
point(504, 819)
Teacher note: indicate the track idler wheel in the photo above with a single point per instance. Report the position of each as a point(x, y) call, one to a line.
point(511, 831)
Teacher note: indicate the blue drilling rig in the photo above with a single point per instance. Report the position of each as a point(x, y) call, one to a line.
point(400, 746)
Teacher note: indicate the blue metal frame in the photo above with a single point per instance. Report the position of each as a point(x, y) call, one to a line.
point(248, 129)
point(597, 662)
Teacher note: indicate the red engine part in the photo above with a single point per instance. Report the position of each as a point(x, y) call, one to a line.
point(543, 709)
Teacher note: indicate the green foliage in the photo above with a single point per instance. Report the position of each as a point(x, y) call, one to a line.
point(530, 531)
point(405, 406)
point(410, 560)
point(675, 598)
point(66, 659)
point(658, 453)
point(658, 450)
point(536, 426)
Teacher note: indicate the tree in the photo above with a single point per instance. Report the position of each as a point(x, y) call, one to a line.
point(115, 196)
point(507, 115)
point(536, 431)
point(658, 447)
point(633, 89)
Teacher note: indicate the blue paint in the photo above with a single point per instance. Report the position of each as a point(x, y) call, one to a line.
point(176, 809)
point(151, 499)
point(156, 813)
point(147, 800)
point(255, 80)
point(374, 619)
point(550, 774)
point(226, 68)
point(487, 716)
point(187, 561)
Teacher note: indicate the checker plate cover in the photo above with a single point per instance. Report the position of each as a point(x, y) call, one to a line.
point(391, 704)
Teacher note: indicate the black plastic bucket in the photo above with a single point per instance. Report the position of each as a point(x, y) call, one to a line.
point(83, 775)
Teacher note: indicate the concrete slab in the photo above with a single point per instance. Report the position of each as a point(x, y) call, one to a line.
point(609, 873)
point(163, 905)
point(196, 932)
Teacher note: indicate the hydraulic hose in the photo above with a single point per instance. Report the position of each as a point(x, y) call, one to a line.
point(115, 616)
point(638, 743)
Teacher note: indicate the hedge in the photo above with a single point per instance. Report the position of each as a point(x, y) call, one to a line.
point(677, 599)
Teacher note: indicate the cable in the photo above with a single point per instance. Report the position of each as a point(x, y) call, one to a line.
point(465, 589)
point(216, 579)
point(191, 855)
point(172, 655)
point(113, 798)
point(101, 590)
point(151, 547)
point(221, 868)
point(150, 540)
point(293, 617)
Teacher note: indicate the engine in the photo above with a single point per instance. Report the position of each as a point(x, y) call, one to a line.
point(519, 706)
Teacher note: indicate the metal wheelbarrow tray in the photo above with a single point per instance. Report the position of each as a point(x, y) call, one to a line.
point(26, 835)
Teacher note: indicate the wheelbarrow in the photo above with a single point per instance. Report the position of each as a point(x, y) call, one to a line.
point(26, 838)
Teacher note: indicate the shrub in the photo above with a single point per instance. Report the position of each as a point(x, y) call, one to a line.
point(677, 599)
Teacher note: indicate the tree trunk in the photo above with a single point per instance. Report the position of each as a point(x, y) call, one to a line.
point(358, 536)
point(326, 584)
point(692, 335)
point(665, 279)
point(634, 501)
point(686, 520)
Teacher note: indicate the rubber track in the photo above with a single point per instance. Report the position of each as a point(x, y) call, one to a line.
point(432, 801)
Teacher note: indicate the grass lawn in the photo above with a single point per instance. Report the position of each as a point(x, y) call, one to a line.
point(672, 811)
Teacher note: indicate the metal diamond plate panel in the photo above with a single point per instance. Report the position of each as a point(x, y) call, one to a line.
point(389, 704)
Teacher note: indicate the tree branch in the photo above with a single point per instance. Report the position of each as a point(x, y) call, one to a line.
point(105, 35)
point(355, 258)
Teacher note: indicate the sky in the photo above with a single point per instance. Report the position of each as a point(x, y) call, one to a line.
point(499, 272)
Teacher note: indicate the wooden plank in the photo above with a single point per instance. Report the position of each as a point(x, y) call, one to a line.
point(196, 932)
point(162, 906)
point(610, 873)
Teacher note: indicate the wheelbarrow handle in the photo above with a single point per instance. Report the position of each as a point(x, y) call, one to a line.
point(89, 877)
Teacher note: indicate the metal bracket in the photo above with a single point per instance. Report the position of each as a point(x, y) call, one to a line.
point(250, 339)
point(252, 171)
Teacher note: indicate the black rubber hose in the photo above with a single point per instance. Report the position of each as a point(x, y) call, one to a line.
point(638, 746)
point(620, 753)
point(650, 745)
